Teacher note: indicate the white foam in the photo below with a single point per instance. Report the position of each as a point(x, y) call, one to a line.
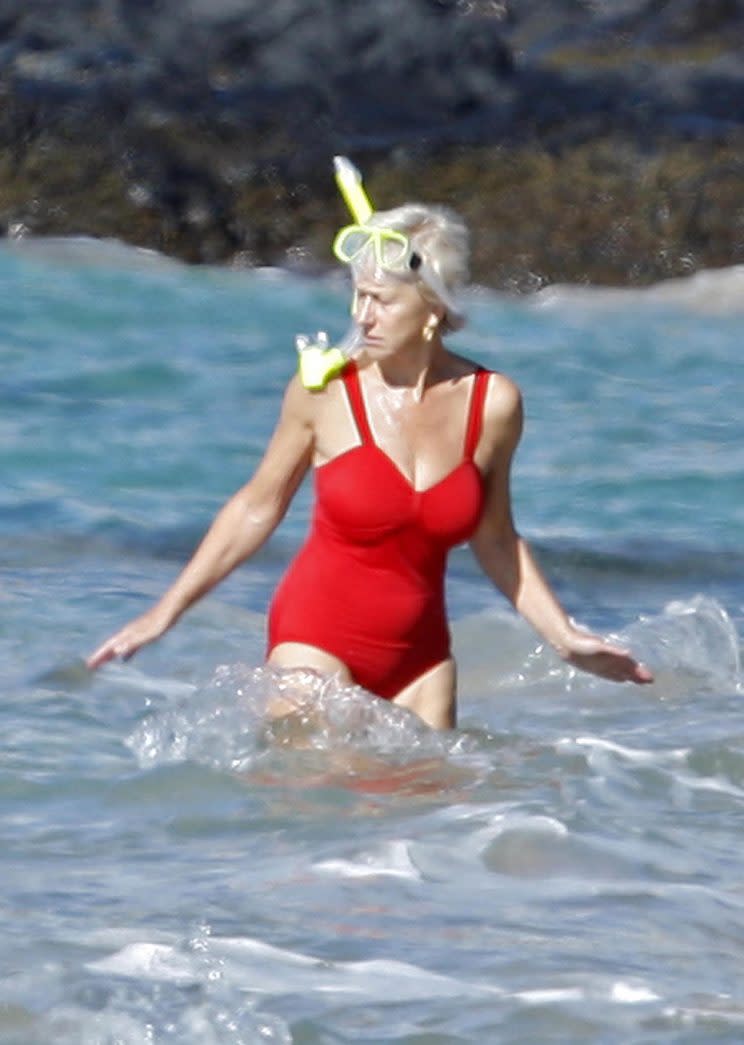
point(711, 291)
point(149, 961)
point(266, 952)
point(261, 968)
point(714, 784)
point(393, 861)
point(550, 996)
point(639, 756)
point(628, 994)
point(661, 760)
point(505, 823)
point(619, 993)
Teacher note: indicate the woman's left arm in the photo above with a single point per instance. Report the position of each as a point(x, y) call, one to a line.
point(507, 560)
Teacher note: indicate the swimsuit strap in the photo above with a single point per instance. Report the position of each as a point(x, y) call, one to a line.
point(356, 402)
point(475, 413)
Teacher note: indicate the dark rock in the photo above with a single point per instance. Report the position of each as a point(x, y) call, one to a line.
point(583, 141)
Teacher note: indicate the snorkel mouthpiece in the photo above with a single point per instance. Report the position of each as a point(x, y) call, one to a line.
point(318, 363)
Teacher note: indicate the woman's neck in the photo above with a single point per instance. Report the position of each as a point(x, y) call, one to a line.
point(415, 371)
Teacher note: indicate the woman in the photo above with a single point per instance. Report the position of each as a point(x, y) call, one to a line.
point(411, 447)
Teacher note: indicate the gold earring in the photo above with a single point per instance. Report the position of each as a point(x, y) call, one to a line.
point(430, 327)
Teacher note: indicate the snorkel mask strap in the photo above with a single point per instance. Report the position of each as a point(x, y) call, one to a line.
point(317, 362)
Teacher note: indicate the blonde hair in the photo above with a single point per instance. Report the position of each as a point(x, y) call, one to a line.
point(441, 239)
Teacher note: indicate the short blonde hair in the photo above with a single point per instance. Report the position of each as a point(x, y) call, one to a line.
point(441, 239)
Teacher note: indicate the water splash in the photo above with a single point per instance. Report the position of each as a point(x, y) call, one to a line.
point(693, 639)
point(259, 721)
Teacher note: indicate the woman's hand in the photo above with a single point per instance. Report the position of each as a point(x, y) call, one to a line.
point(125, 643)
point(600, 657)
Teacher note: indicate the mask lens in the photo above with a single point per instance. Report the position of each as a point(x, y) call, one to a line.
point(350, 242)
point(393, 250)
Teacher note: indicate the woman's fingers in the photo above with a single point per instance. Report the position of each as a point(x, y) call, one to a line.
point(103, 654)
point(609, 661)
point(125, 643)
point(114, 647)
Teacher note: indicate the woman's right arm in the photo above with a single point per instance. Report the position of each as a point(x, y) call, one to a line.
point(239, 529)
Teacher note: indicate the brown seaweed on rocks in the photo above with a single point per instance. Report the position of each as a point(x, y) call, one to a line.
point(582, 146)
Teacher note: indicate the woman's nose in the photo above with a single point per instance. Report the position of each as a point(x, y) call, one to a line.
point(362, 309)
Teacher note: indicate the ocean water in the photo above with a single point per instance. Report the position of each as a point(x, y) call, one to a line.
point(565, 866)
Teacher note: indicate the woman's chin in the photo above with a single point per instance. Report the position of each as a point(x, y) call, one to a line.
point(376, 349)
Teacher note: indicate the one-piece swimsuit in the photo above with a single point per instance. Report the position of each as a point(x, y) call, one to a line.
point(368, 584)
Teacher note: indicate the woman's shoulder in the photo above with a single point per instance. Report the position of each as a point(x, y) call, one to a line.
point(502, 411)
point(299, 403)
point(502, 395)
point(311, 405)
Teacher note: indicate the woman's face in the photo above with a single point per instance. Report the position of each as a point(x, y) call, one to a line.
point(391, 314)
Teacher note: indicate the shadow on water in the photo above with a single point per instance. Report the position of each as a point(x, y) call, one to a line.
point(73, 675)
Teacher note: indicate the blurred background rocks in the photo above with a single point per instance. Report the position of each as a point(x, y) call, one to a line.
point(585, 140)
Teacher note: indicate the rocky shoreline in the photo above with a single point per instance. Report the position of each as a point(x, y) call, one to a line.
point(581, 146)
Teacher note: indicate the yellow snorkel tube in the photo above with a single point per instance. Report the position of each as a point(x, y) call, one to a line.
point(317, 362)
point(349, 182)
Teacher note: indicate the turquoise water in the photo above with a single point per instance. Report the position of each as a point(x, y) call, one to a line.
point(565, 866)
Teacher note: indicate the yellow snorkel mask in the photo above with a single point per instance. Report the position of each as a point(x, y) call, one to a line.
point(389, 249)
point(318, 363)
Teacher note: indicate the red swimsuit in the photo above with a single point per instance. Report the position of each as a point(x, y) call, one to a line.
point(368, 584)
